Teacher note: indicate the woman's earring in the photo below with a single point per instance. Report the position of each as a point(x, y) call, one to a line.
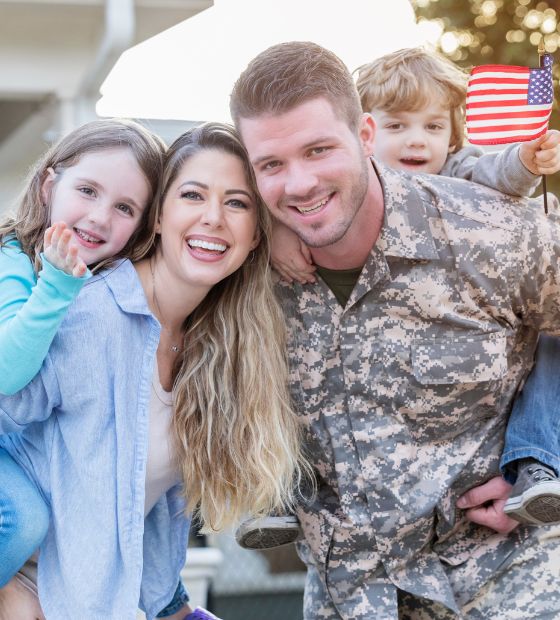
point(251, 257)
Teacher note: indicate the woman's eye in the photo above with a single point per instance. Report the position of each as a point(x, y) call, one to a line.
point(238, 204)
point(191, 195)
point(125, 209)
point(434, 127)
point(88, 191)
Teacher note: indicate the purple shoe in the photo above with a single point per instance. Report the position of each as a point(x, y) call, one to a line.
point(200, 614)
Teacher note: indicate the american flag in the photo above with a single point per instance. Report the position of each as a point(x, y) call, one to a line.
point(508, 104)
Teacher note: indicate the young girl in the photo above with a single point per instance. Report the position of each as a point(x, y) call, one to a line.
point(196, 316)
point(99, 183)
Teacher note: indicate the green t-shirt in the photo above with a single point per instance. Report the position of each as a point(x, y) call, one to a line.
point(340, 281)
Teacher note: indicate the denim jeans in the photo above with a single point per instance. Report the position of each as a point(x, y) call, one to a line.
point(179, 599)
point(533, 429)
point(24, 517)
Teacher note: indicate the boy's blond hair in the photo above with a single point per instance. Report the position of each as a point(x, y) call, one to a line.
point(411, 78)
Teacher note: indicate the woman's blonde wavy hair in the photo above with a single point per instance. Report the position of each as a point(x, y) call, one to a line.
point(33, 217)
point(237, 439)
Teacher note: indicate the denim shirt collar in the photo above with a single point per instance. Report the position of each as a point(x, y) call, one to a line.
point(118, 278)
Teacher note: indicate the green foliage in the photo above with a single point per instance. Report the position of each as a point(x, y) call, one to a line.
point(498, 31)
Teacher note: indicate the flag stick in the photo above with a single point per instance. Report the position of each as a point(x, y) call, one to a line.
point(541, 51)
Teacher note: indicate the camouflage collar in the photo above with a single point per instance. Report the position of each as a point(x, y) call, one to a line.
point(406, 232)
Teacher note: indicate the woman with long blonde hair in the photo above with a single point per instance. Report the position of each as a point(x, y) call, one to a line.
point(164, 392)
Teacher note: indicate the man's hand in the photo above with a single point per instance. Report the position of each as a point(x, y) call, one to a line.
point(485, 505)
point(61, 253)
point(542, 156)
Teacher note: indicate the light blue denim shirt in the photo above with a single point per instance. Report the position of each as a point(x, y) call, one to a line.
point(80, 430)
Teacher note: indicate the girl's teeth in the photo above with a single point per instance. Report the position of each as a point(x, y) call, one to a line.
point(86, 237)
point(207, 245)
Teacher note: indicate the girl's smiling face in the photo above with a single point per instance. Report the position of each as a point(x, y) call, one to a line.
point(101, 199)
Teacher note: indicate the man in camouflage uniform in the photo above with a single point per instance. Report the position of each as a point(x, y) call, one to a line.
point(405, 386)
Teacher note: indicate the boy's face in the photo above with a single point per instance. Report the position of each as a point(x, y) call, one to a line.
point(413, 141)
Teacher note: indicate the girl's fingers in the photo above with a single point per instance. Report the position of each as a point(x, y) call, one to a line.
point(47, 237)
point(80, 269)
point(63, 244)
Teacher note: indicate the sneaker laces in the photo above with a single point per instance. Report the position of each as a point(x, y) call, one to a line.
point(540, 474)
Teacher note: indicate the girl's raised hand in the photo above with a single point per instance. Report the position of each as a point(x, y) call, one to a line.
point(61, 253)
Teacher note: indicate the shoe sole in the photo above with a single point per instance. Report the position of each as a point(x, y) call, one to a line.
point(268, 533)
point(537, 506)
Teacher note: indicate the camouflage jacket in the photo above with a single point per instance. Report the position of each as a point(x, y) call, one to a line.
point(405, 392)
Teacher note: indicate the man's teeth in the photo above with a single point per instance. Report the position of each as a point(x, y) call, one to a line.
point(207, 245)
point(314, 207)
point(87, 237)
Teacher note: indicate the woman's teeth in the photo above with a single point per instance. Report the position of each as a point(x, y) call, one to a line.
point(207, 245)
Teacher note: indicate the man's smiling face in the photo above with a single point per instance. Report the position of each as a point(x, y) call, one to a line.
point(311, 168)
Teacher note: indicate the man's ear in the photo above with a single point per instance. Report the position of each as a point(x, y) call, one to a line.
point(47, 185)
point(366, 132)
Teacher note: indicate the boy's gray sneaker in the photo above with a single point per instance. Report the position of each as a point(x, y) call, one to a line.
point(268, 532)
point(535, 496)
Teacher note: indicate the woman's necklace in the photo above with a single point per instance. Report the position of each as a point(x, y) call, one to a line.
point(174, 347)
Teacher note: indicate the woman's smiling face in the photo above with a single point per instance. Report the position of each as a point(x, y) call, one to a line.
point(208, 222)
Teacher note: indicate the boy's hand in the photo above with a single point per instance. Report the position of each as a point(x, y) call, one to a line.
point(60, 252)
point(291, 258)
point(542, 156)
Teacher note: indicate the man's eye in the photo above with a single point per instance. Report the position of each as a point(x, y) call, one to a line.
point(394, 126)
point(269, 165)
point(318, 150)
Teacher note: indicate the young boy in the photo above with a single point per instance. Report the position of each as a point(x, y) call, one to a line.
point(417, 99)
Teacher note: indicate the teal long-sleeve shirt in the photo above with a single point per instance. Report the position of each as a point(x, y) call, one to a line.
point(31, 310)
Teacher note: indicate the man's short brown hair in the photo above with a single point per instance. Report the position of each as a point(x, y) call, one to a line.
point(289, 74)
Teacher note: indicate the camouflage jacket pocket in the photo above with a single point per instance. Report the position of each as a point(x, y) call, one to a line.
point(318, 531)
point(465, 359)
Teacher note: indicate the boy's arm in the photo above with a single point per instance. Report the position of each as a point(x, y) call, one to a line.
point(501, 170)
point(30, 315)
